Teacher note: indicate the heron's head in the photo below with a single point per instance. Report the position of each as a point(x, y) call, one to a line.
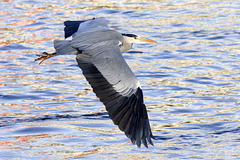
point(132, 38)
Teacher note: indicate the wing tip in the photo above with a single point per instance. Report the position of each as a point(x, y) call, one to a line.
point(71, 27)
point(142, 134)
point(146, 141)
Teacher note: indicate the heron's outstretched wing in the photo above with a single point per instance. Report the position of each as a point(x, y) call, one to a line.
point(119, 90)
point(71, 27)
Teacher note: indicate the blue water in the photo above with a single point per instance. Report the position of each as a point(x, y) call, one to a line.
point(190, 81)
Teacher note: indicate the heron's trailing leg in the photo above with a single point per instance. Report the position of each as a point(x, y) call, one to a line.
point(45, 56)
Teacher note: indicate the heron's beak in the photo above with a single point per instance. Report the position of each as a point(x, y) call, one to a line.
point(146, 40)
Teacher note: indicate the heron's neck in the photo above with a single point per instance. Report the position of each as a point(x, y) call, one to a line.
point(126, 45)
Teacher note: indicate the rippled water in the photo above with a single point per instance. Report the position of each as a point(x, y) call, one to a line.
point(190, 80)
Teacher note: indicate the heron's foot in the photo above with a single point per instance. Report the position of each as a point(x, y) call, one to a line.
point(45, 56)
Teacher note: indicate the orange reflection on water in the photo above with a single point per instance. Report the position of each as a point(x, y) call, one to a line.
point(84, 153)
point(3, 13)
point(22, 139)
point(23, 22)
point(33, 12)
point(42, 40)
point(4, 52)
point(6, 0)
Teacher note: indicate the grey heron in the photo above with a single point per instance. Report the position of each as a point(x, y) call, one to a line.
point(98, 53)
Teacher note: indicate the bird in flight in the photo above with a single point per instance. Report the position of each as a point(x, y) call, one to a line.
point(98, 53)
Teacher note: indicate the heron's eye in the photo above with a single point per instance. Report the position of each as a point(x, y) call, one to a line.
point(135, 37)
point(120, 43)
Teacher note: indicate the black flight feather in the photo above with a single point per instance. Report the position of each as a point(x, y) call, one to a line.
point(71, 27)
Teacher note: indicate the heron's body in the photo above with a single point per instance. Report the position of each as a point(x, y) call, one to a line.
point(98, 53)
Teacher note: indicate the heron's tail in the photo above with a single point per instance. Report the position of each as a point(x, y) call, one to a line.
point(63, 47)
